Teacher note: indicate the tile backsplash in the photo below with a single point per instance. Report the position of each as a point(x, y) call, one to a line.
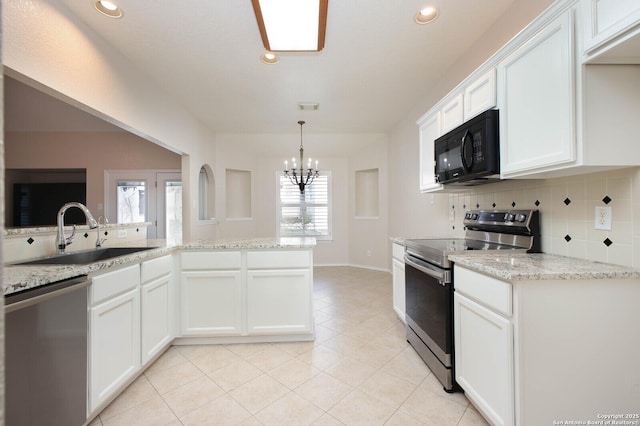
point(29, 243)
point(567, 212)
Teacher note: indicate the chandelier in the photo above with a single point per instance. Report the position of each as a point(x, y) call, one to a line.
point(299, 177)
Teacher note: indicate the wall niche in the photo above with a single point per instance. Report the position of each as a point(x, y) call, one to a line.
point(367, 193)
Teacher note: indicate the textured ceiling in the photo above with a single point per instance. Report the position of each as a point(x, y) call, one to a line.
point(376, 65)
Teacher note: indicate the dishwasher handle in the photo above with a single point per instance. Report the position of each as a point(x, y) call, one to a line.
point(442, 275)
point(17, 301)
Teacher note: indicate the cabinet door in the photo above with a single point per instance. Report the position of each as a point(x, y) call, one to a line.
point(605, 19)
point(452, 114)
point(536, 102)
point(398, 289)
point(156, 316)
point(115, 345)
point(480, 95)
point(484, 359)
point(279, 301)
point(429, 132)
point(211, 303)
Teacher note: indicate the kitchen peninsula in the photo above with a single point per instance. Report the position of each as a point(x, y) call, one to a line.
point(138, 304)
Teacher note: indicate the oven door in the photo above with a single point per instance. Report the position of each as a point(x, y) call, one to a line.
point(429, 306)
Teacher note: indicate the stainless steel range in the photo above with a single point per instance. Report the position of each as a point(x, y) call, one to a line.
point(429, 281)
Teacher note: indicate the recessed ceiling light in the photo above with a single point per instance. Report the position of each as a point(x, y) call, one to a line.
point(108, 8)
point(270, 58)
point(426, 15)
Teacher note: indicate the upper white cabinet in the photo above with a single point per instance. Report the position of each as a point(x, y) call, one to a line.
point(452, 113)
point(429, 132)
point(611, 31)
point(536, 101)
point(475, 95)
point(480, 95)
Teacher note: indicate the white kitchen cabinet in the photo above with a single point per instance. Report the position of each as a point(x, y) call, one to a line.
point(453, 113)
point(397, 265)
point(156, 301)
point(114, 333)
point(279, 292)
point(480, 94)
point(526, 349)
point(211, 293)
point(278, 301)
point(430, 130)
point(484, 359)
point(611, 30)
point(536, 92)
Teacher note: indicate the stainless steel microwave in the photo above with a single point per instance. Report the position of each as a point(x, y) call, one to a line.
point(470, 153)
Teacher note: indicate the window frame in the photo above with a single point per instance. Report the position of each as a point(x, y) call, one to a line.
point(329, 205)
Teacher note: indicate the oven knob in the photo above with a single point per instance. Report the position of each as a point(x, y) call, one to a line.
point(511, 217)
point(521, 218)
point(474, 216)
point(467, 216)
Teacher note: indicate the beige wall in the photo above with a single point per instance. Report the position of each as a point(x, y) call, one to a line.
point(341, 154)
point(95, 152)
point(49, 48)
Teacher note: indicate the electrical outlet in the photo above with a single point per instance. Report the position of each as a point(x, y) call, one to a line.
point(603, 218)
point(452, 216)
point(122, 233)
point(368, 253)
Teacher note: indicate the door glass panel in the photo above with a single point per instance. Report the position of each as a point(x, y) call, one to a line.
point(131, 201)
point(173, 210)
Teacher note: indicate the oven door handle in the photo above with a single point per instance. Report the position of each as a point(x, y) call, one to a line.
point(443, 276)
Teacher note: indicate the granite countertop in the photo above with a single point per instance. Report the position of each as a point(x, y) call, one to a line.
point(541, 266)
point(22, 277)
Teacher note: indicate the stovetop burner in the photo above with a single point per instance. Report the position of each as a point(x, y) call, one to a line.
point(486, 230)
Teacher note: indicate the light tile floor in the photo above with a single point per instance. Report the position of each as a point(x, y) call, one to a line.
point(359, 371)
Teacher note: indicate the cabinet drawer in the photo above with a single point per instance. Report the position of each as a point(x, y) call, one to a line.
point(110, 284)
point(154, 268)
point(207, 260)
point(489, 291)
point(278, 259)
point(398, 251)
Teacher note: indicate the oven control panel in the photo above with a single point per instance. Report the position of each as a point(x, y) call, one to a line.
point(513, 219)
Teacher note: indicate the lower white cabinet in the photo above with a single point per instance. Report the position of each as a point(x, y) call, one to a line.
point(531, 352)
point(156, 300)
point(279, 301)
point(211, 303)
point(397, 267)
point(247, 293)
point(114, 354)
point(484, 358)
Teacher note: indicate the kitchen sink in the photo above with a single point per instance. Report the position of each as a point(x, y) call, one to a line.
point(86, 257)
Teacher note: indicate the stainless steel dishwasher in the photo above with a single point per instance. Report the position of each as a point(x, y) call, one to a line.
point(46, 354)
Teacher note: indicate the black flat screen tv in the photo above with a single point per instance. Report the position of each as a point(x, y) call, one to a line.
point(37, 204)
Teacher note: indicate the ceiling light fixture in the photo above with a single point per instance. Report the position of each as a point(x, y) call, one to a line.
point(299, 177)
point(108, 8)
point(292, 25)
point(426, 15)
point(270, 58)
point(308, 106)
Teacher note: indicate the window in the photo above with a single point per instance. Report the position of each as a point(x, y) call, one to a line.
point(131, 203)
point(307, 214)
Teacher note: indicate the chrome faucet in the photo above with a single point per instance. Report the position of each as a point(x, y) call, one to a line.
point(61, 241)
point(99, 240)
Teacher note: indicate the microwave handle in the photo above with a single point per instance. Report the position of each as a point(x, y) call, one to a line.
point(467, 163)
